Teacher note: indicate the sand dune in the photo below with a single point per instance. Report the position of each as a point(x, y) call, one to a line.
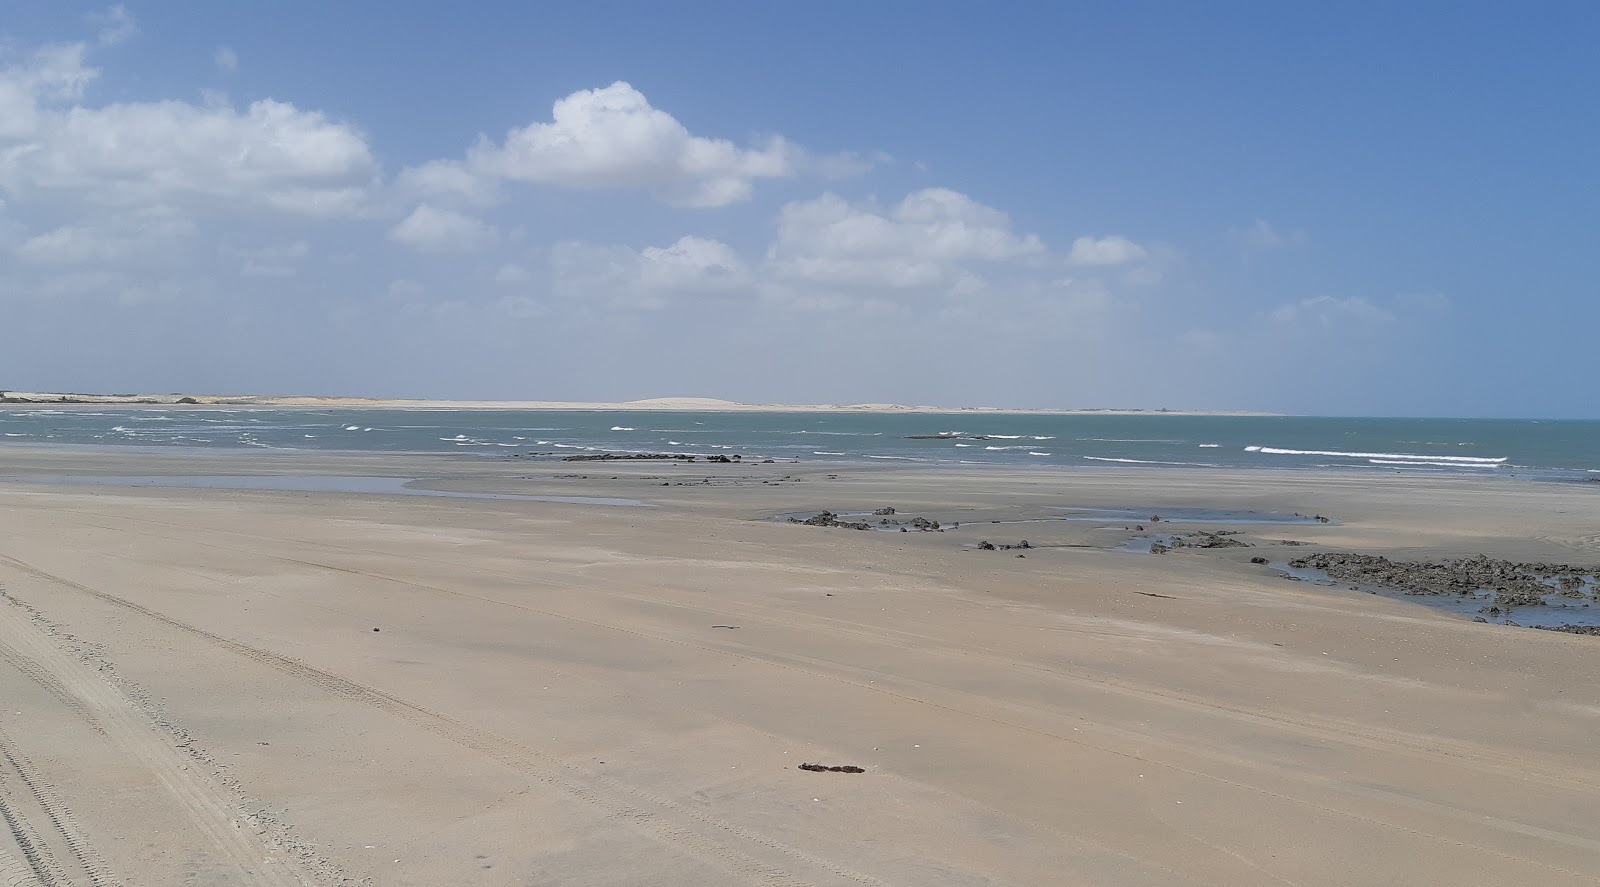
point(695, 404)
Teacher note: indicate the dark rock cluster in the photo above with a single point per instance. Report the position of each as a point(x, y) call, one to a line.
point(829, 519)
point(1207, 539)
point(986, 545)
point(1514, 584)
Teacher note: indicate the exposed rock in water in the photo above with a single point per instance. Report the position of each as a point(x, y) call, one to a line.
point(1514, 584)
point(887, 509)
point(1207, 539)
point(633, 457)
point(829, 519)
point(1258, 560)
point(1572, 629)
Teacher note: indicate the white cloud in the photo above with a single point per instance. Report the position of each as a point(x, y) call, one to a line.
point(226, 59)
point(920, 242)
point(650, 278)
point(272, 155)
point(613, 138)
point(1105, 251)
point(1261, 236)
point(116, 25)
point(140, 240)
point(432, 229)
point(448, 180)
point(50, 74)
point(1326, 313)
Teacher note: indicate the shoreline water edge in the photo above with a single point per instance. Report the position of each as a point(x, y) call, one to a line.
point(1539, 449)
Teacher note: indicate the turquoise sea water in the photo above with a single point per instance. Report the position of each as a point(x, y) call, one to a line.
point(1547, 449)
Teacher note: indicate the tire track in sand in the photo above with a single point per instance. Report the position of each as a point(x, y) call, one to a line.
point(37, 865)
point(719, 843)
point(212, 813)
point(86, 866)
point(16, 873)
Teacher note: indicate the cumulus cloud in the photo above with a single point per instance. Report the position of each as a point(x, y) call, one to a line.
point(270, 155)
point(448, 181)
point(923, 241)
point(1105, 251)
point(432, 229)
point(613, 137)
point(49, 74)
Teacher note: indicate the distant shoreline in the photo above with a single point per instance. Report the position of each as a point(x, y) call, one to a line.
point(659, 404)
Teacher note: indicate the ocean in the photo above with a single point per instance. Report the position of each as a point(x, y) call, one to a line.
point(1542, 449)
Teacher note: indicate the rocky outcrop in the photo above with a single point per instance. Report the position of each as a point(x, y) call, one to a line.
point(829, 519)
point(631, 457)
point(1206, 539)
point(1514, 584)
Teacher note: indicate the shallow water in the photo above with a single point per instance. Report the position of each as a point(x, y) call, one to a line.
point(310, 483)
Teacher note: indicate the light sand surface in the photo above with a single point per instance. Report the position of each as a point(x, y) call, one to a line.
point(192, 690)
point(666, 404)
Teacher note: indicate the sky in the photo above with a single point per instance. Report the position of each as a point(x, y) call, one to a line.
point(1336, 209)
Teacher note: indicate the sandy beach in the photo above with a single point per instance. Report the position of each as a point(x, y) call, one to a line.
point(209, 686)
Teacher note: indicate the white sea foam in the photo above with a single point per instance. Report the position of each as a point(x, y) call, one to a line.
point(966, 445)
point(1037, 453)
point(1407, 457)
point(1209, 446)
point(1429, 462)
point(822, 453)
point(1005, 436)
point(358, 428)
point(620, 428)
point(1142, 461)
point(1045, 437)
point(1002, 448)
point(457, 437)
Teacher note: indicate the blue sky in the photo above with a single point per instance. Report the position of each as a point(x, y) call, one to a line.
point(1349, 209)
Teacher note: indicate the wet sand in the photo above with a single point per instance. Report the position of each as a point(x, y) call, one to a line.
point(241, 686)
